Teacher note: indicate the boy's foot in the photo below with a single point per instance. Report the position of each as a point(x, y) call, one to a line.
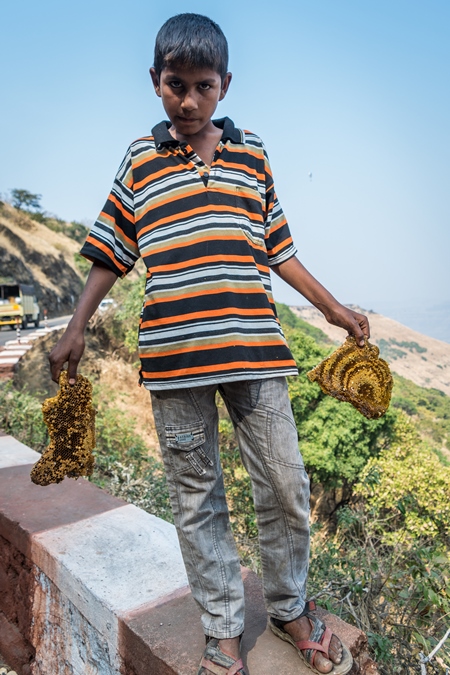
point(222, 657)
point(321, 650)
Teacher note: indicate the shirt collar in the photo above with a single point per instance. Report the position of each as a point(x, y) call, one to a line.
point(163, 137)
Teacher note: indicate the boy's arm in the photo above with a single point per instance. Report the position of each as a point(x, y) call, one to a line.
point(70, 347)
point(296, 275)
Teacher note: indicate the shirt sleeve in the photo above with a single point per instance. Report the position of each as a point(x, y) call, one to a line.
point(112, 239)
point(278, 239)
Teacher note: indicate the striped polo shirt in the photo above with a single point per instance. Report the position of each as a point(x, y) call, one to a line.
point(207, 236)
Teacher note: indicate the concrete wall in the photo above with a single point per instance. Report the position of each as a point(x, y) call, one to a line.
point(90, 585)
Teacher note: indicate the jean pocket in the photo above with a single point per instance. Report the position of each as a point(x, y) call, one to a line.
point(282, 438)
point(254, 389)
point(187, 445)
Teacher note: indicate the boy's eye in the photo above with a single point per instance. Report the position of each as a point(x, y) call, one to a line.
point(205, 86)
point(175, 84)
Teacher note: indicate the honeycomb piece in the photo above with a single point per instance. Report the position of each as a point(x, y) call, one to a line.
point(70, 419)
point(356, 375)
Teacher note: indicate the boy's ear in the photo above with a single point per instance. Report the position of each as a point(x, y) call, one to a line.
point(155, 80)
point(225, 85)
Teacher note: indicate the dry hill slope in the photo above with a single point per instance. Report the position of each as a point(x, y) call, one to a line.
point(422, 359)
point(31, 253)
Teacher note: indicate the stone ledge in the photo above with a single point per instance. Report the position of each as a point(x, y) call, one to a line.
point(103, 589)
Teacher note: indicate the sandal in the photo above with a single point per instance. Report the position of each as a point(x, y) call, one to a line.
point(319, 641)
point(219, 663)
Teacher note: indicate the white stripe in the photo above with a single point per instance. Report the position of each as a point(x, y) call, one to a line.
point(226, 377)
point(222, 327)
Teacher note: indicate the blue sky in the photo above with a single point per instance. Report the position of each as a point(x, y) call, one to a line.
point(354, 91)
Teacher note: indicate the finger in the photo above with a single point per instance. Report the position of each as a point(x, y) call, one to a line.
point(72, 370)
point(55, 368)
point(366, 328)
point(358, 334)
point(363, 323)
point(56, 372)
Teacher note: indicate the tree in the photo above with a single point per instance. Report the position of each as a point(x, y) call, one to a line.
point(22, 199)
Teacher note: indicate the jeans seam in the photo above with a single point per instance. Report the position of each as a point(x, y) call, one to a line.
point(226, 590)
point(180, 500)
point(280, 503)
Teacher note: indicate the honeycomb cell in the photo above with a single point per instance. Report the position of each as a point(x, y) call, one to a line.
point(70, 419)
point(356, 375)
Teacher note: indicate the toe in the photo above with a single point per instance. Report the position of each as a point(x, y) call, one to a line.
point(322, 664)
point(335, 650)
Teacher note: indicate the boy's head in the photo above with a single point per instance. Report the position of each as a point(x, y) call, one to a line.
point(191, 41)
point(190, 72)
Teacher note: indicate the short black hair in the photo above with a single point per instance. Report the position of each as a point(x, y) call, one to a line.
point(191, 41)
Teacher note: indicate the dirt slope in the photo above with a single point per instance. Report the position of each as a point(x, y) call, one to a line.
point(419, 358)
point(31, 253)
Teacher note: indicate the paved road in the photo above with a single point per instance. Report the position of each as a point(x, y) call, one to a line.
point(7, 334)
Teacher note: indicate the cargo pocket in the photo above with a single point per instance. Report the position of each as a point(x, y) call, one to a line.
point(186, 444)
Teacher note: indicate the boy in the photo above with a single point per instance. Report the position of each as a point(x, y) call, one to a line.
point(196, 200)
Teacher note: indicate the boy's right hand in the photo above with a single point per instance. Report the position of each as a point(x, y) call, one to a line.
point(69, 350)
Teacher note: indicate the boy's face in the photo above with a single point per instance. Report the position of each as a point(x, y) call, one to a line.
point(190, 97)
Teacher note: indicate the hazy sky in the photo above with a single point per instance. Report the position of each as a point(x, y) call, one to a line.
point(355, 91)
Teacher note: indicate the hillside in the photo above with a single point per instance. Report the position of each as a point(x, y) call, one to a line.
point(32, 253)
point(416, 357)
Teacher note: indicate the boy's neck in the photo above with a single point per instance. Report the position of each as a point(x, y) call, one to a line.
point(203, 143)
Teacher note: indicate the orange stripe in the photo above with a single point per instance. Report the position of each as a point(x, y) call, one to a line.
point(193, 212)
point(118, 204)
point(243, 167)
point(207, 313)
point(159, 174)
point(208, 259)
point(154, 155)
point(197, 294)
point(107, 216)
point(105, 249)
point(245, 151)
point(180, 245)
point(274, 229)
point(245, 365)
point(276, 249)
point(174, 197)
point(186, 350)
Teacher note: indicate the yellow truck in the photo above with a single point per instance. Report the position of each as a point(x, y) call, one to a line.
point(18, 304)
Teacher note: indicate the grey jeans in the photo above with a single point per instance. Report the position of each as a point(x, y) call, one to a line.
point(187, 425)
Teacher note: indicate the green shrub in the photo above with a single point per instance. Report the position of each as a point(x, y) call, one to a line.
point(21, 417)
point(129, 295)
point(289, 320)
point(431, 408)
point(82, 264)
point(409, 487)
point(388, 567)
point(336, 442)
point(335, 439)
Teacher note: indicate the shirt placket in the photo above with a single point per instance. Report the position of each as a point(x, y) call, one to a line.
point(195, 162)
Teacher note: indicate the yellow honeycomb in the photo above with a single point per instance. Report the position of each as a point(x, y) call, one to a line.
point(356, 375)
point(70, 419)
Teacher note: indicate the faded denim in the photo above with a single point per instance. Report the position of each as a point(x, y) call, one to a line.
point(187, 425)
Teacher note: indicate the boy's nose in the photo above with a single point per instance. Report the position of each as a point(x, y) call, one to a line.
point(189, 102)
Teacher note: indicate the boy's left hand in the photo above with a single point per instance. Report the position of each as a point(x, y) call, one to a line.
point(356, 324)
point(296, 275)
